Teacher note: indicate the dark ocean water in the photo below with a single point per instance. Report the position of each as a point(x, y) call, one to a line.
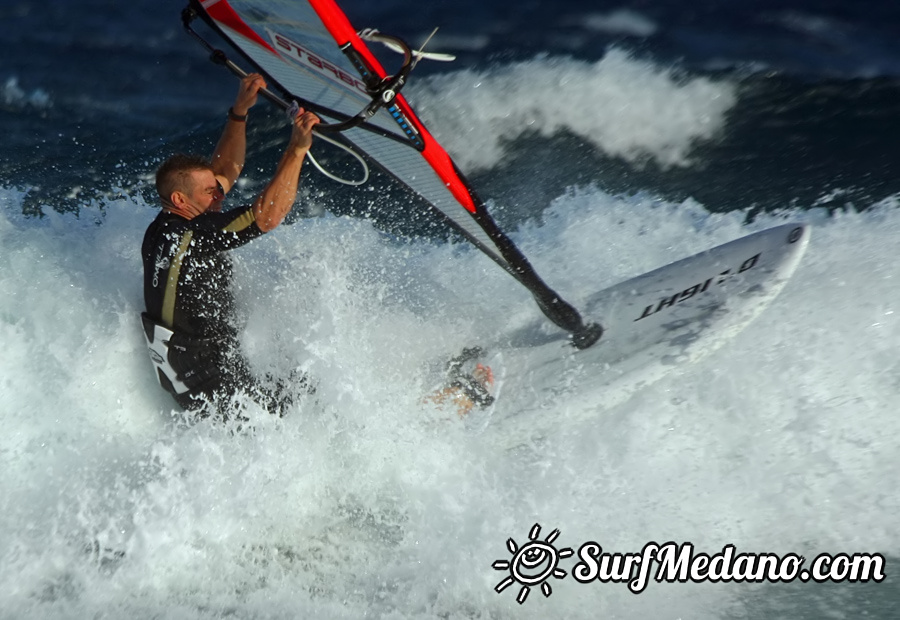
point(672, 124)
point(94, 90)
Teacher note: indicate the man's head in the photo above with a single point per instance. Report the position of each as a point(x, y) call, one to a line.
point(187, 185)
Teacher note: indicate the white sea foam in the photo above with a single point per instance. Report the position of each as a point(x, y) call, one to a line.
point(365, 501)
point(12, 95)
point(620, 21)
point(625, 107)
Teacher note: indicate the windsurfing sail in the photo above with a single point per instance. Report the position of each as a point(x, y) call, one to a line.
point(308, 50)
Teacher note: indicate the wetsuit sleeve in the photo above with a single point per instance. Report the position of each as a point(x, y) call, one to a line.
point(218, 232)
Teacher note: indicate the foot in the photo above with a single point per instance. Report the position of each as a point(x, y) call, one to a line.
point(467, 388)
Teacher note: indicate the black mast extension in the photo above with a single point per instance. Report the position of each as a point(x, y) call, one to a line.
point(554, 307)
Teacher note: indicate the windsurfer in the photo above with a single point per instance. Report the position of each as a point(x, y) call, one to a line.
point(189, 319)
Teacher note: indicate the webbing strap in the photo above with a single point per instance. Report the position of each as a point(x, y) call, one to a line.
point(168, 305)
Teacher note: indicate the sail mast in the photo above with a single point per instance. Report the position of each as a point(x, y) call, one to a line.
point(313, 55)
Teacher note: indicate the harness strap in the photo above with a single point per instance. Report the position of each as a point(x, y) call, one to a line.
point(183, 363)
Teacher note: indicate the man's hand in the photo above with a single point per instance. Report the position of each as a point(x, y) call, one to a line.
point(277, 198)
point(247, 93)
point(301, 136)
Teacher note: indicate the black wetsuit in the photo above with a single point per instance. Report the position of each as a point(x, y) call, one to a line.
point(187, 292)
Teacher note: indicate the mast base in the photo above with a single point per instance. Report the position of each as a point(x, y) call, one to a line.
point(587, 335)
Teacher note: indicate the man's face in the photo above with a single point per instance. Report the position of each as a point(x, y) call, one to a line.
point(206, 193)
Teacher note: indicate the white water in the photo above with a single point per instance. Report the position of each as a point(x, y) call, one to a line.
point(363, 501)
point(13, 97)
point(784, 440)
point(625, 107)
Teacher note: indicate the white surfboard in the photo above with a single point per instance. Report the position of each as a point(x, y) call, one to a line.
point(653, 323)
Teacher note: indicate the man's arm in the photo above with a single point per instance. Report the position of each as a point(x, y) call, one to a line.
point(273, 204)
point(228, 158)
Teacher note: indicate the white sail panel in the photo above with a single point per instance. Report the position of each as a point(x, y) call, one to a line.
point(291, 44)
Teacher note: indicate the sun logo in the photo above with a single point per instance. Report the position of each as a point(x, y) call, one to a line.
point(532, 563)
